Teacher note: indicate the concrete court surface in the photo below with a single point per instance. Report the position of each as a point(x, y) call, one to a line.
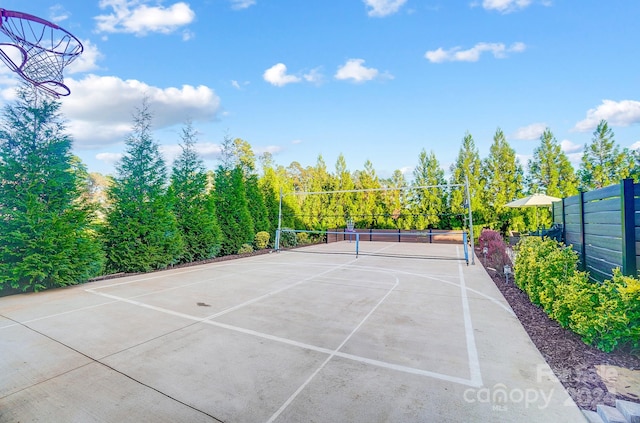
point(403, 333)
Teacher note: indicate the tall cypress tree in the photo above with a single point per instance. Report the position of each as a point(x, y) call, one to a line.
point(503, 175)
point(46, 237)
point(141, 232)
point(603, 163)
point(193, 205)
point(233, 214)
point(550, 171)
point(467, 165)
point(428, 204)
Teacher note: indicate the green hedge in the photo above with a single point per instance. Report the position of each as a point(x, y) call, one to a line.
point(606, 315)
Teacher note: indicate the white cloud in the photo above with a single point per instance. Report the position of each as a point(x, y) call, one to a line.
point(239, 85)
point(524, 158)
point(406, 170)
point(100, 109)
point(242, 4)
point(206, 150)
point(109, 158)
point(58, 13)
point(277, 75)
point(620, 113)
point(314, 76)
point(635, 146)
point(355, 71)
point(87, 61)
point(135, 17)
point(380, 8)
point(569, 147)
point(272, 149)
point(456, 54)
point(296, 142)
point(505, 6)
point(529, 132)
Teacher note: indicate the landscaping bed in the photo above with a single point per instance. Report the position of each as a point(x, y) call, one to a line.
point(574, 363)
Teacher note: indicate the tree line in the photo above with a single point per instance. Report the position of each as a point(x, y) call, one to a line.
point(62, 225)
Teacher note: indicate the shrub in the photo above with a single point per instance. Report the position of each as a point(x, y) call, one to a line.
point(245, 248)
point(542, 265)
point(288, 238)
point(261, 240)
point(606, 315)
point(497, 256)
point(303, 238)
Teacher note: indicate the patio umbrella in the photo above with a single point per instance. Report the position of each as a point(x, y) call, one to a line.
point(534, 200)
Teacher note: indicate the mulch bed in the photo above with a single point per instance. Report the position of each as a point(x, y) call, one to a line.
point(572, 361)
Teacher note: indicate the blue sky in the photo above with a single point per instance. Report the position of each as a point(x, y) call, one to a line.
point(375, 80)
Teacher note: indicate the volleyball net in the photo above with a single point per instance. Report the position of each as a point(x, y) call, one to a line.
point(427, 244)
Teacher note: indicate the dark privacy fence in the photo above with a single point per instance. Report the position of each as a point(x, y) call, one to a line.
point(604, 228)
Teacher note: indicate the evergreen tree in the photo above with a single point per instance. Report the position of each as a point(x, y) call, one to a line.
point(193, 205)
point(503, 175)
point(141, 232)
point(341, 205)
point(428, 204)
point(467, 166)
point(46, 236)
point(369, 205)
point(550, 171)
point(603, 163)
point(233, 214)
point(256, 204)
point(395, 201)
point(315, 208)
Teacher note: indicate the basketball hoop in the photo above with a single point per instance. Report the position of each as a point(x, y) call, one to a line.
point(39, 50)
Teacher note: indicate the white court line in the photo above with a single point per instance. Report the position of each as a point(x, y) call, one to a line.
point(475, 380)
point(333, 354)
point(58, 314)
point(172, 272)
point(472, 350)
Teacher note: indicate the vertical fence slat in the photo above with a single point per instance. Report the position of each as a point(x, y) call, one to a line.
point(583, 252)
point(628, 228)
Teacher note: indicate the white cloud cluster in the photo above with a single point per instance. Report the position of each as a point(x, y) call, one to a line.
point(621, 113)
point(380, 8)
point(505, 6)
point(529, 132)
point(242, 4)
point(456, 54)
point(87, 61)
point(101, 109)
point(355, 71)
point(277, 75)
point(57, 13)
point(136, 17)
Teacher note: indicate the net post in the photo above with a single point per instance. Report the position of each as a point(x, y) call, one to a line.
point(466, 184)
point(357, 243)
point(466, 247)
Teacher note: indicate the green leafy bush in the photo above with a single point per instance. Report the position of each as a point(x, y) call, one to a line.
point(606, 315)
point(245, 248)
point(288, 238)
point(303, 238)
point(261, 240)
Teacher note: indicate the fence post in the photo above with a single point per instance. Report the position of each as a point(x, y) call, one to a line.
point(628, 228)
point(583, 252)
point(564, 225)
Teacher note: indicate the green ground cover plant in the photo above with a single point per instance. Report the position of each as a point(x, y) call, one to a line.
point(606, 315)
